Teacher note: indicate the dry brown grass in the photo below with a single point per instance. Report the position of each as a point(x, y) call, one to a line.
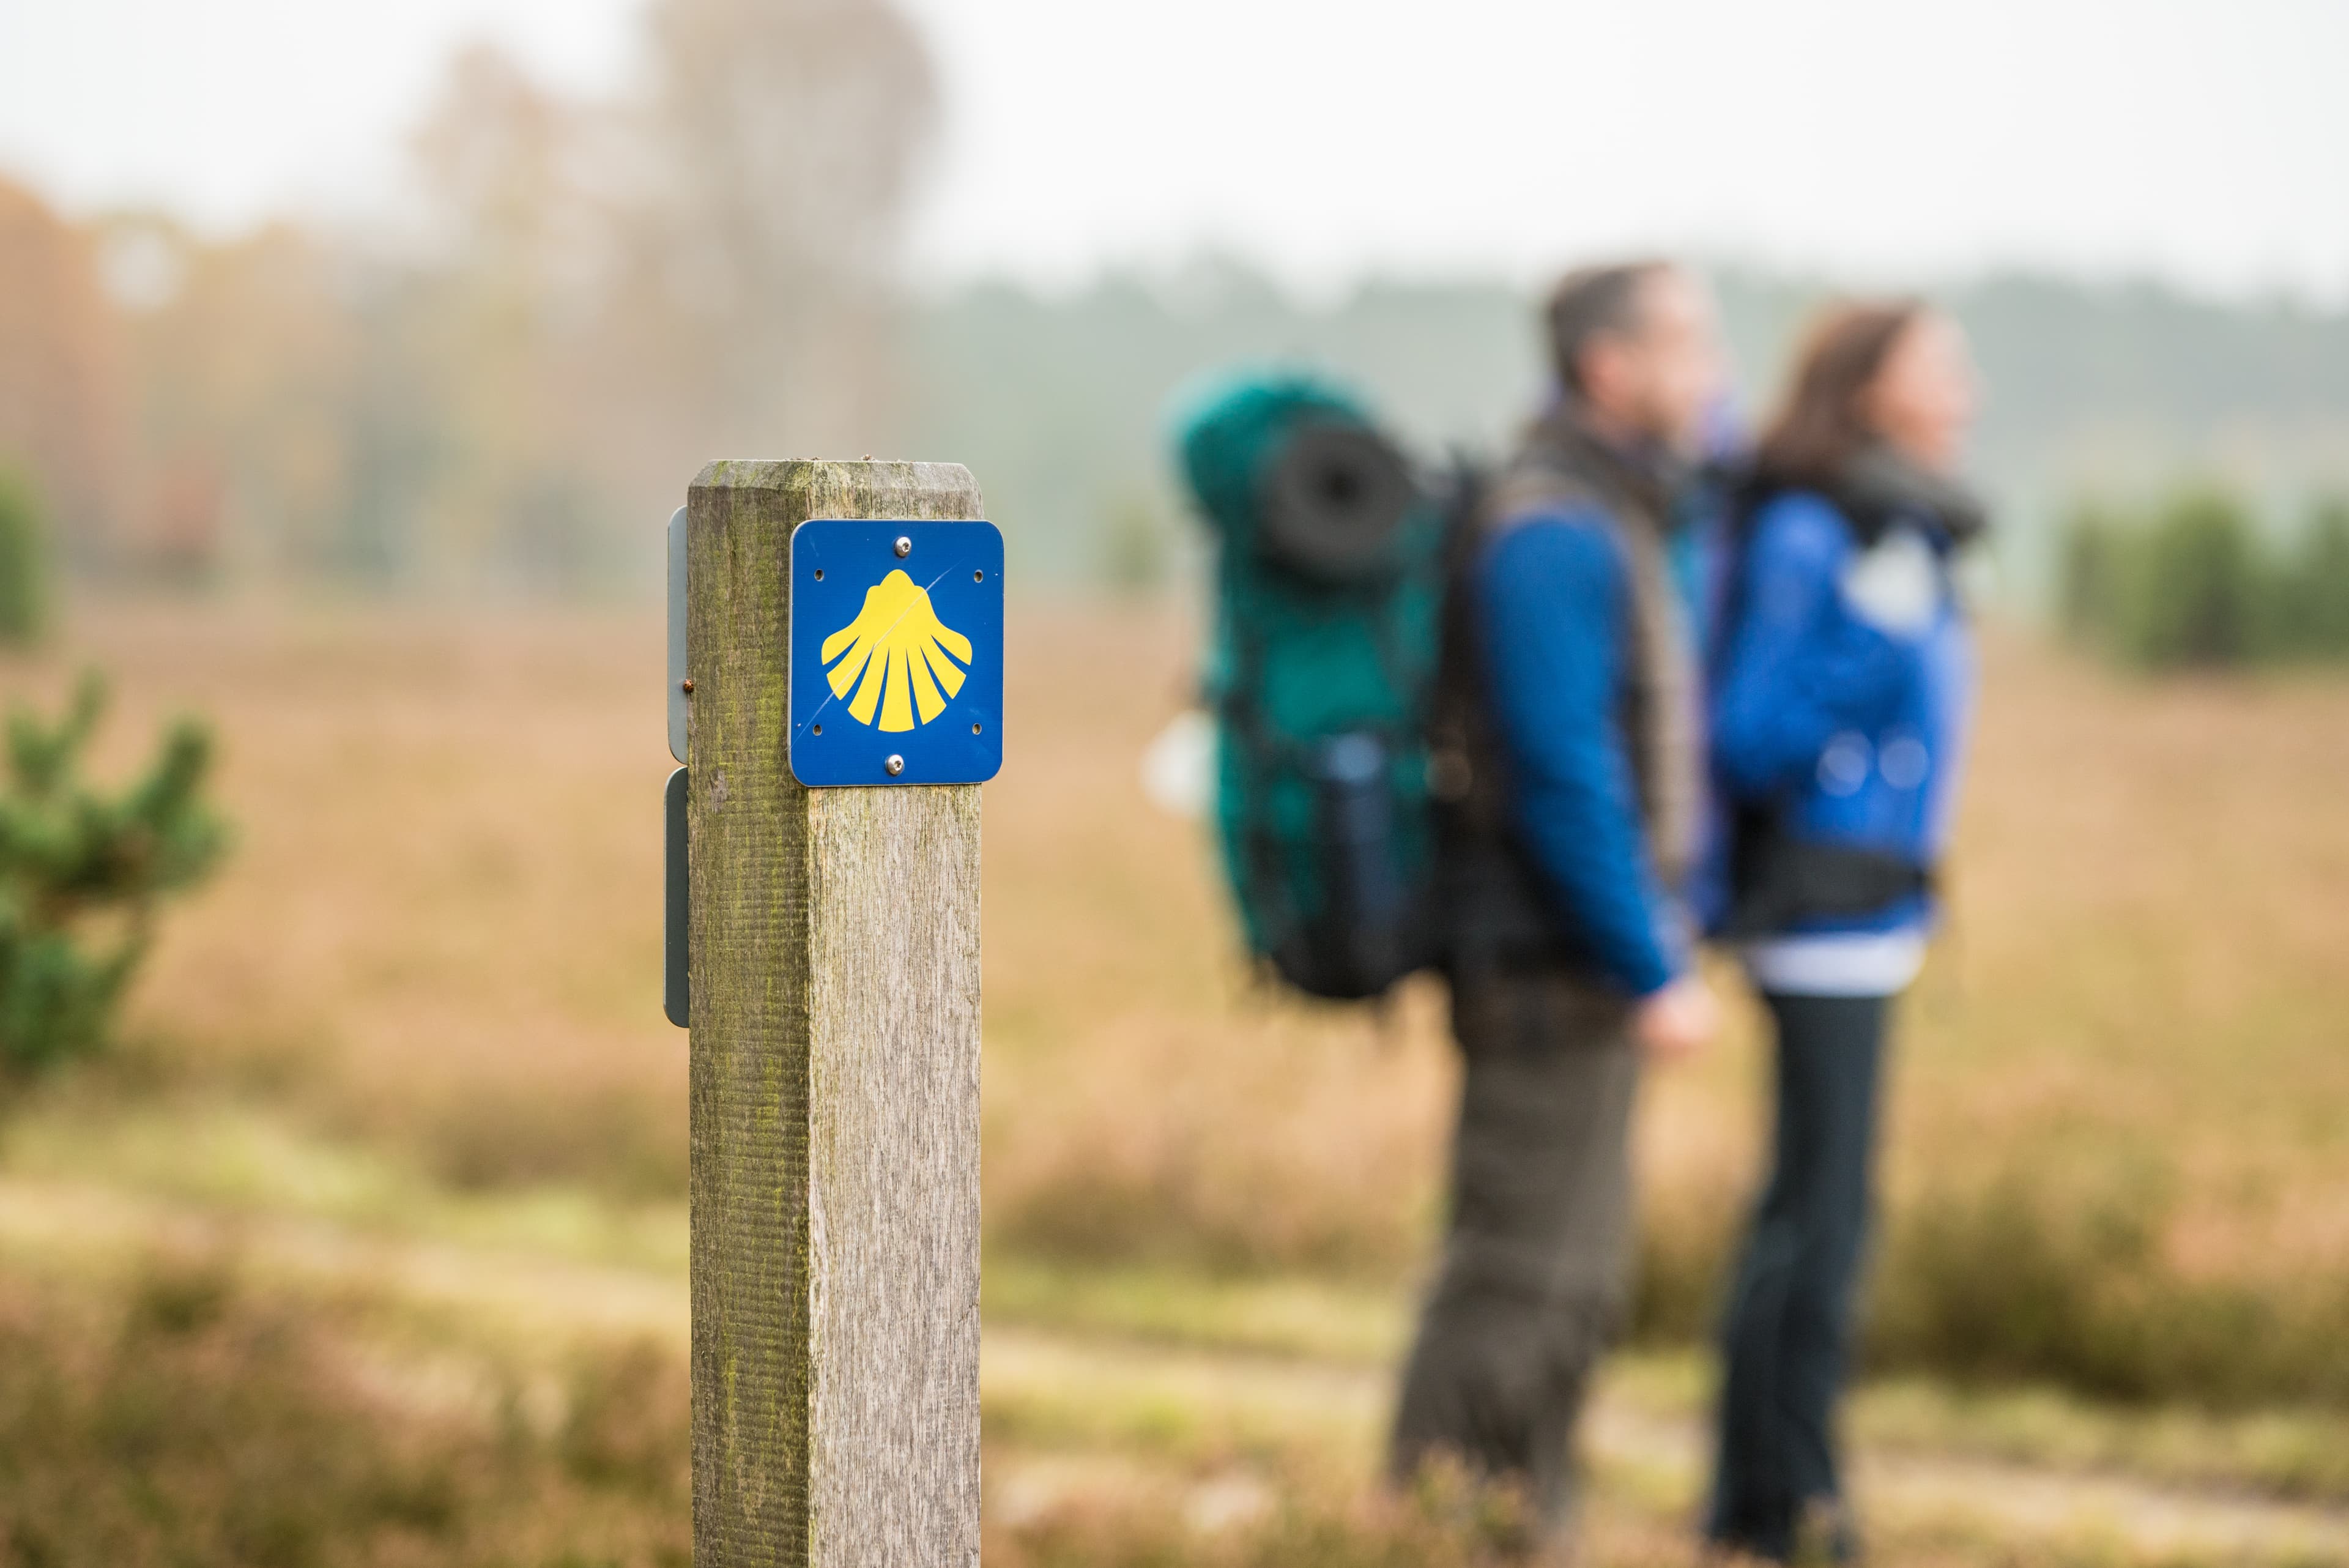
point(440, 926)
point(199, 1424)
point(2114, 1111)
point(440, 934)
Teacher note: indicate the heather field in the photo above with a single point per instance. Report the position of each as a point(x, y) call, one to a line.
point(366, 1246)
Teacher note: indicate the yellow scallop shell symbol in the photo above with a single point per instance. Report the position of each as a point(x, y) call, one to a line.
point(900, 646)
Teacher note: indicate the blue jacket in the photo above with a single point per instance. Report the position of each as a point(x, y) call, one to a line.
point(1554, 596)
point(1852, 733)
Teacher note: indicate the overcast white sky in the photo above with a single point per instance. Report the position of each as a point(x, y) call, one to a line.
point(2207, 143)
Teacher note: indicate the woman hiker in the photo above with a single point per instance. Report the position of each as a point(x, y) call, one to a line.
point(1840, 692)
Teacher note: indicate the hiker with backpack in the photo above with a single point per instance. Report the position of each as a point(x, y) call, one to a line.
point(1840, 700)
point(1568, 765)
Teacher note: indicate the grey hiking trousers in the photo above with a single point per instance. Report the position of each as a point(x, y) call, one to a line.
point(1536, 1263)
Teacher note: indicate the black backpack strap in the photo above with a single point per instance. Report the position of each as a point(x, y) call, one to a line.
point(1780, 881)
point(1237, 705)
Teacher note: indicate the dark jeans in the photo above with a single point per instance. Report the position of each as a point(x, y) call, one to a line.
point(1787, 1334)
point(1536, 1260)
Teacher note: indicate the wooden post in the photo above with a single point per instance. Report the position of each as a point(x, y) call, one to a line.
point(835, 1016)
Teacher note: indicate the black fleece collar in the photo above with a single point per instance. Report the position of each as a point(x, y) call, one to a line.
point(1875, 489)
point(1879, 487)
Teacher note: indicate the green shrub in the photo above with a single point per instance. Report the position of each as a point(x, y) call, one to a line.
point(25, 563)
point(2197, 584)
point(82, 873)
point(2193, 594)
point(2317, 586)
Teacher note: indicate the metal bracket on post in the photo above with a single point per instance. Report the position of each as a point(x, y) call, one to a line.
point(680, 680)
point(677, 906)
point(677, 902)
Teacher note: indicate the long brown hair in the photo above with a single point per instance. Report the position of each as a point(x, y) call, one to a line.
point(1819, 426)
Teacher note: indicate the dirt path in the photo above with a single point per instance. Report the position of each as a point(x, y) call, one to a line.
point(99, 1228)
point(1255, 1392)
point(51, 1225)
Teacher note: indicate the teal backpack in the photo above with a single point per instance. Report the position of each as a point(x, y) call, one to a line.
point(1329, 587)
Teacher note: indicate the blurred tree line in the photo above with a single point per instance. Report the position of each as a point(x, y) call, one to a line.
point(1059, 400)
point(2195, 580)
point(507, 384)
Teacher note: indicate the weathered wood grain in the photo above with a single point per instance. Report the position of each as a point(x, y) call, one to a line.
point(836, 992)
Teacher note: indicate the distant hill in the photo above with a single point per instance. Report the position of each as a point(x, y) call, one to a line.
point(1058, 403)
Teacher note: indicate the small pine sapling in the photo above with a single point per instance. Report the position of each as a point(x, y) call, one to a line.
point(82, 873)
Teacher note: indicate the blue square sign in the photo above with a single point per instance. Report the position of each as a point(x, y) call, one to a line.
point(896, 652)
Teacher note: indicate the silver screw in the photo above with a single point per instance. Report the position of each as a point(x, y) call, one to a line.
point(905, 546)
point(895, 765)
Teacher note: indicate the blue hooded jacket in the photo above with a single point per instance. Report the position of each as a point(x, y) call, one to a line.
point(1553, 597)
point(1850, 732)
